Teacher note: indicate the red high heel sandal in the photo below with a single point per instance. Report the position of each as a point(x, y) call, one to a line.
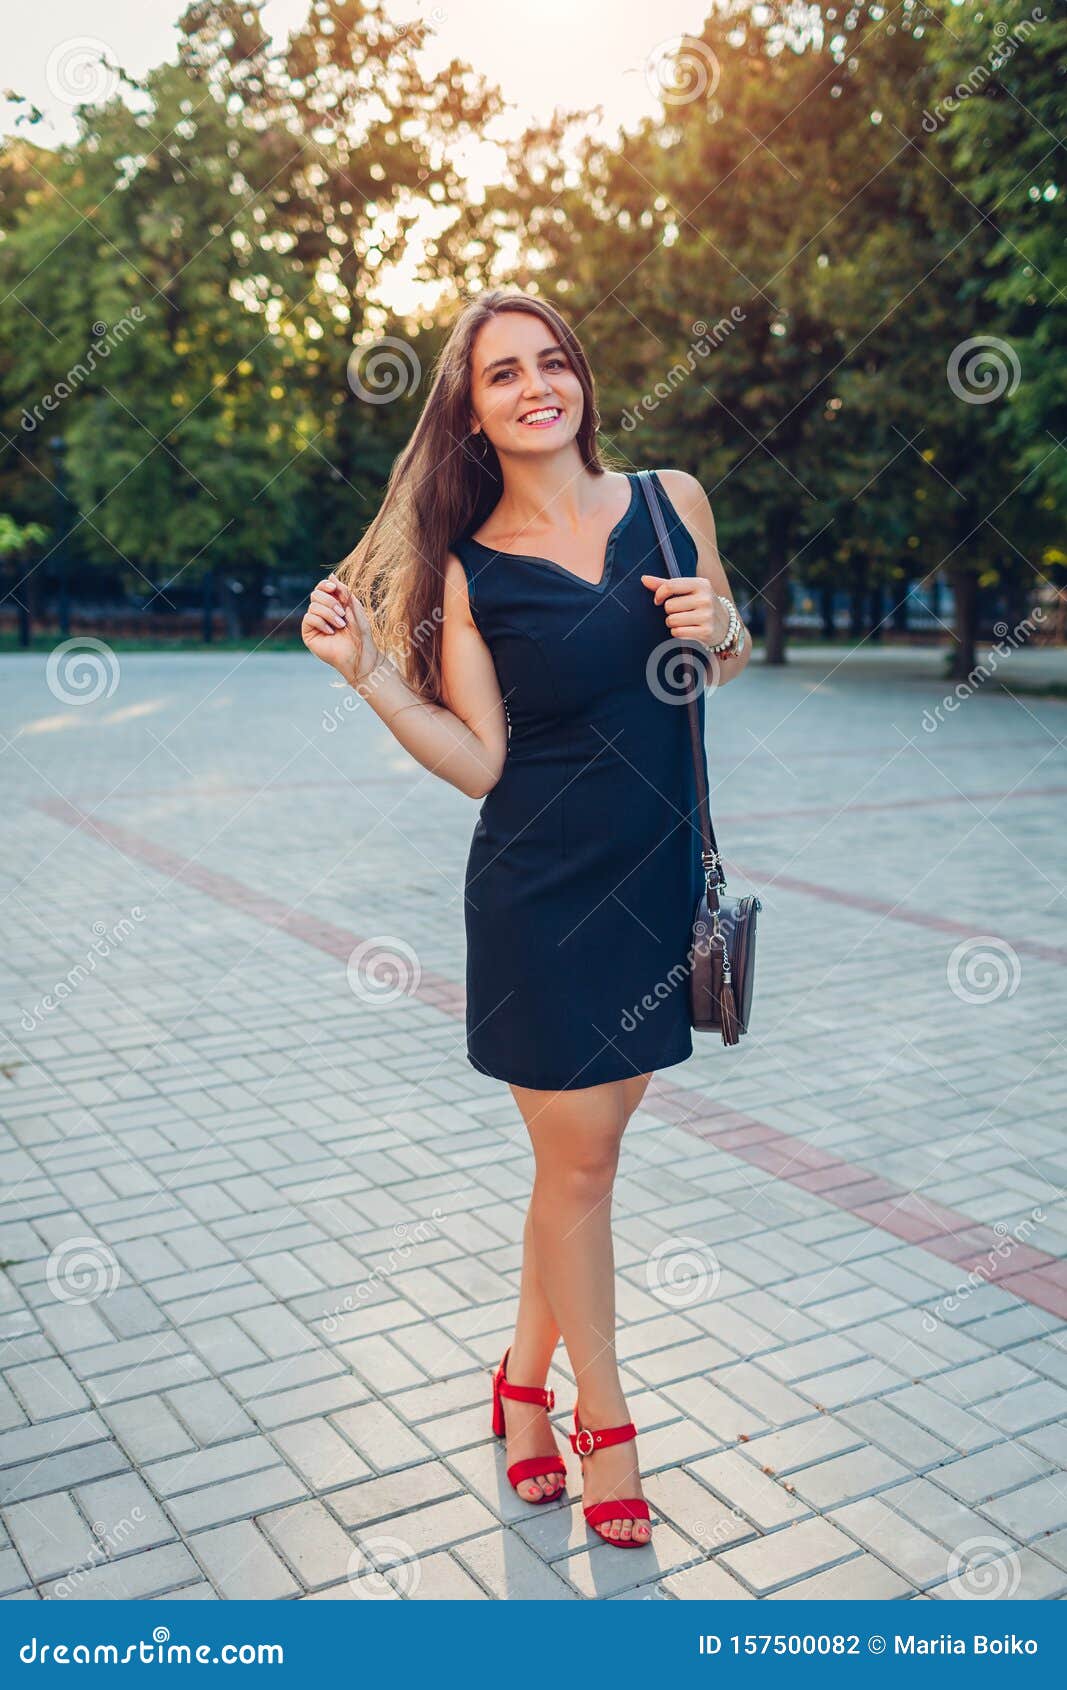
point(534, 1466)
point(584, 1442)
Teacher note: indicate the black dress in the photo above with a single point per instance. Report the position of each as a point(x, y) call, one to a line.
point(584, 871)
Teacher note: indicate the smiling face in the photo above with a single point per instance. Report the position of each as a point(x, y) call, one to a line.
point(524, 391)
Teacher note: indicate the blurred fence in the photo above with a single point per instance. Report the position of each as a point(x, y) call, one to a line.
point(169, 615)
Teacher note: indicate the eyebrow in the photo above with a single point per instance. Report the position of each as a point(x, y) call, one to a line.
point(511, 359)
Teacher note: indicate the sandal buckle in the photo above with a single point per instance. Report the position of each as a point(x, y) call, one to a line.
point(550, 1399)
point(584, 1448)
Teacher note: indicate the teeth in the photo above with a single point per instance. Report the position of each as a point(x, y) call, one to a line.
point(540, 416)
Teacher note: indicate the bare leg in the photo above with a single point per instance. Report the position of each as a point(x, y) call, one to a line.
point(576, 1137)
point(529, 1432)
point(632, 1092)
point(533, 1345)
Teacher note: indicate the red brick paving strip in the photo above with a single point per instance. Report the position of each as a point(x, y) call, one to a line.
point(435, 989)
point(896, 912)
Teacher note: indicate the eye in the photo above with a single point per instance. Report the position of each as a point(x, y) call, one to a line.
point(499, 376)
point(556, 362)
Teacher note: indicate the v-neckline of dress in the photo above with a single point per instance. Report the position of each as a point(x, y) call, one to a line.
point(549, 563)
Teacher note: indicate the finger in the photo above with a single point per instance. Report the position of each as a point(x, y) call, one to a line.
point(329, 618)
point(658, 586)
point(343, 592)
point(680, 592)
point(319, 624)
point(687, 597)
point(327, 606)
point(335, 624)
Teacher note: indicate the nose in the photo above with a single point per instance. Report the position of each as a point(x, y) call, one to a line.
point(536, 384)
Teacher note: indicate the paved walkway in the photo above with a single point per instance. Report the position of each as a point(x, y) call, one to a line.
point(259, 1215)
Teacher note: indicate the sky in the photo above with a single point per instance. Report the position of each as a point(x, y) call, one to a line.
point(576, 54)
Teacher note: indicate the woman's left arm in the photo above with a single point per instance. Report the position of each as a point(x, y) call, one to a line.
point(694, 608)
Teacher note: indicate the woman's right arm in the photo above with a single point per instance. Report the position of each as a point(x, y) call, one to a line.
point(464, 740)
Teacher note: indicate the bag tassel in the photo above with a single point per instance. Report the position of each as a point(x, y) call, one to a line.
point(727, 1004)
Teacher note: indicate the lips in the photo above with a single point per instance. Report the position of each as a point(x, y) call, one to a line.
point(543, 417)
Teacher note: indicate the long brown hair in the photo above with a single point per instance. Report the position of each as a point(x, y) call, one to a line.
point(442, 487)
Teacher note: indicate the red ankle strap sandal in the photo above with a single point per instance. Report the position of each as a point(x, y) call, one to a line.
point(585, 1442)
point(534, 1466)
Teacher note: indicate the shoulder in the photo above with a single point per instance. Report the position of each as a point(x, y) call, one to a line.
point(691, 503)
point(455, 575)
point(684, 491)
point(456, 589)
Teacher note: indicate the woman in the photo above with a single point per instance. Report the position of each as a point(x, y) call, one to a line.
point(543, 620)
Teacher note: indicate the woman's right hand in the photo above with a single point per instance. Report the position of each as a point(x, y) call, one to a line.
point(336, 629)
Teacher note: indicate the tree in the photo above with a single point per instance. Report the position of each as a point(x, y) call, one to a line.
point(700, 257)
point(228, 224)
point(994, 126)
point(372, 140)
point(15, 544)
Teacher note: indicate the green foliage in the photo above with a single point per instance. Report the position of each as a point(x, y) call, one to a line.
point(846, 249)
point(185, 282)
point(16, 538)
point(776, 277)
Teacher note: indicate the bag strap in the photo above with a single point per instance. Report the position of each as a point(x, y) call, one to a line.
point(714, 876)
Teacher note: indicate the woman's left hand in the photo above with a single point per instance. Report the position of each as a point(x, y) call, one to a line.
point(694, 610)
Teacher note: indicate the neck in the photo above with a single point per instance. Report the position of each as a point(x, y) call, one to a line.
point(552, 492)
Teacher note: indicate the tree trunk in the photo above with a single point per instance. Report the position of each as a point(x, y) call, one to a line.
point(1016, 601)
point(856, 599)
point(875, 613)
point(826, 611)
point(964, 655)
point(23, 594)
point(776, 594)
point(208, 607)
point(901, 605)
point(250, 609)
point(232, 596)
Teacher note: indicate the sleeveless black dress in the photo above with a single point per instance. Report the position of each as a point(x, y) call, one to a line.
point(584, 870)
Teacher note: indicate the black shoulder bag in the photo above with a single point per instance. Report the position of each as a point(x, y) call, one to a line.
point(723, 947)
